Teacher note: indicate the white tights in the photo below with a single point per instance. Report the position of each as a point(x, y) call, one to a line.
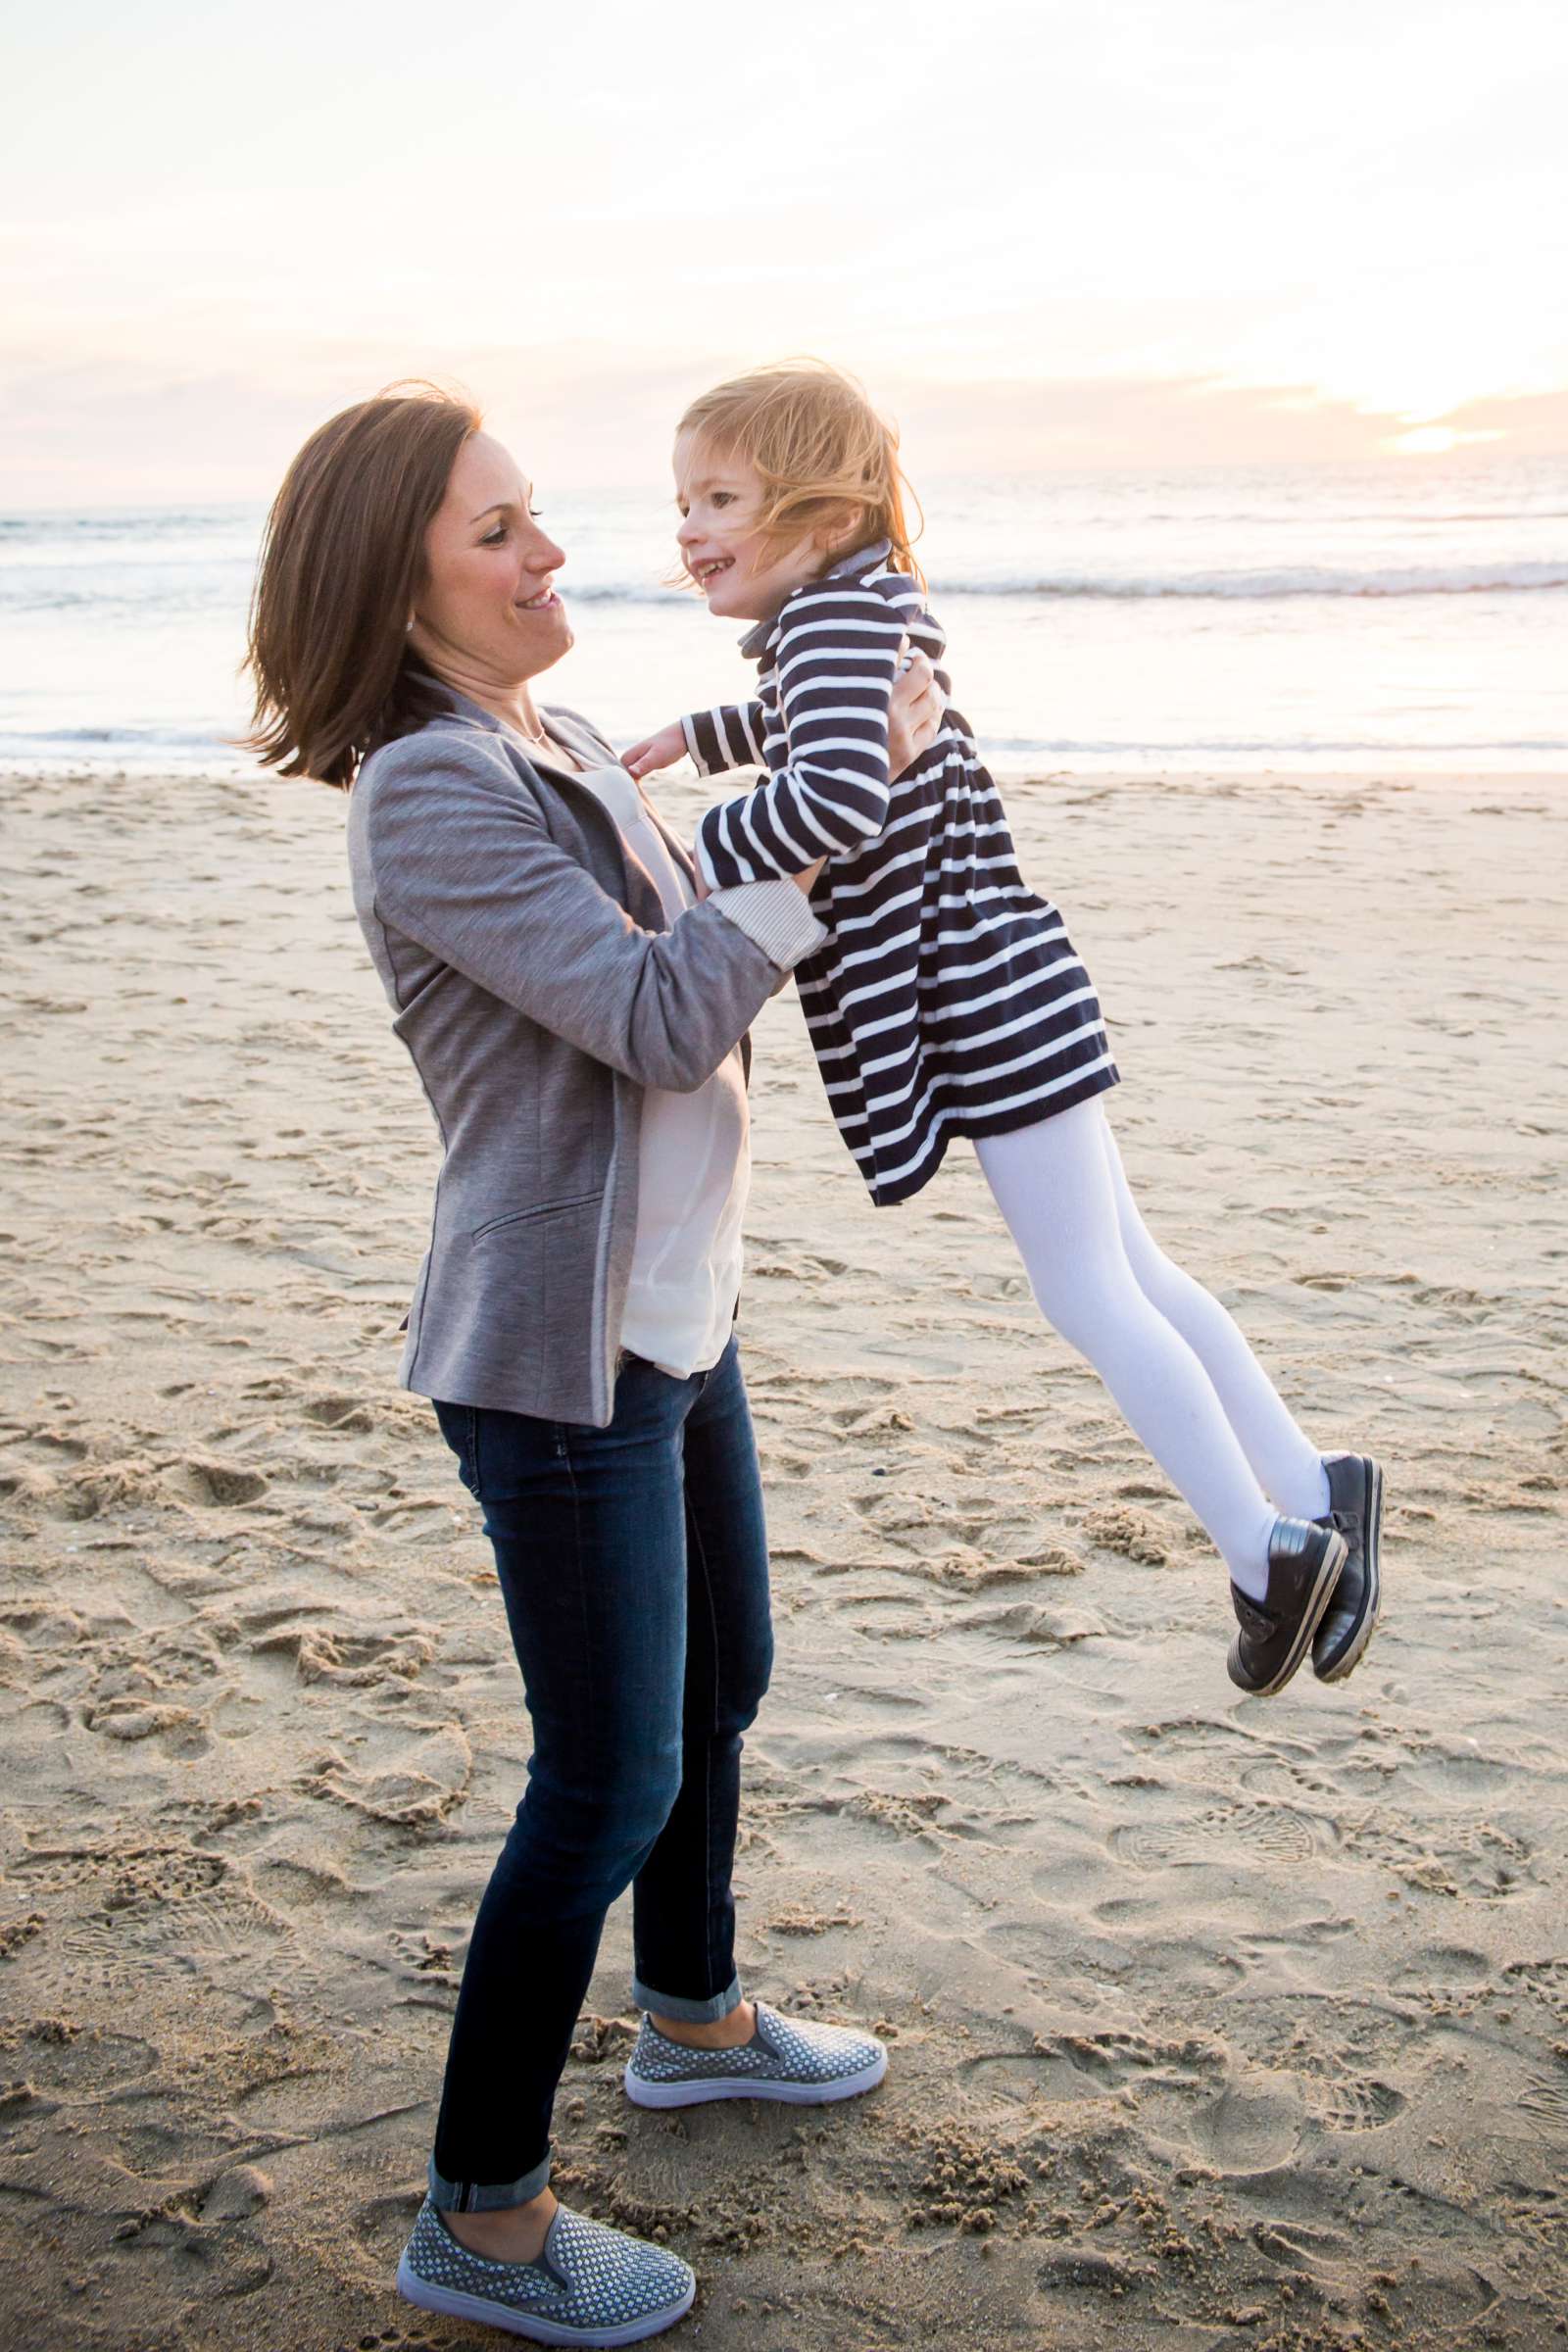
point(1183, 1377)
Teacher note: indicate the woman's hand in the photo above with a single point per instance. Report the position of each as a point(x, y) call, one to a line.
point(914, 713)
point(658, 751)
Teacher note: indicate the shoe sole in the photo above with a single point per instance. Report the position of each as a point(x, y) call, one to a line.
point(1355, 1651)
point(455, 2306)
point(1328, 1576)
point(644, 2093)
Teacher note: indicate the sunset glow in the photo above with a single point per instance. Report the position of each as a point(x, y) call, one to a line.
point(1433, 441)
point(1069, 238)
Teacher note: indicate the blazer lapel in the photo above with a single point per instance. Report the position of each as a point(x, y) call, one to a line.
point(676, 846)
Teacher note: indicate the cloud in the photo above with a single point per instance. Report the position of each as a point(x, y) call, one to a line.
point(1527, 424)
point(1110, 422)
point(97, 428)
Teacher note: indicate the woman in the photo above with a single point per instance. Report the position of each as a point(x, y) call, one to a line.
point(578, 1023)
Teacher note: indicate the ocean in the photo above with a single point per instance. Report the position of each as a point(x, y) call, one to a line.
point(1411, 617)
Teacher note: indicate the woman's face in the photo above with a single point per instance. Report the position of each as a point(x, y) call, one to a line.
point(486, 612)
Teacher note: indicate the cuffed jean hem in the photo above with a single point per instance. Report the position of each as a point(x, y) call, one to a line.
point(486, 2197)
point(689, 2013)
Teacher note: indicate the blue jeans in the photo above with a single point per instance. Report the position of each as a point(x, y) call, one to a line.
point(634, 1564)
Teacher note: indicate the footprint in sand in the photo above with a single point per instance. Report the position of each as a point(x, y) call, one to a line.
point(424, 1960)
point(1250, 2129)
point(999, 1285)
point(1351, 2103)
point(1037, 1626)
point(1238, 1836)
point(161, 1684)
point(1078, 2065)
point(43, 1444)
point(872, 1421)
point(1544, 2100)
point(110, 1911)
point(887, 1616)
point(428, 1781)
point(346, 1653)
point(1445, 1965)
point(1284, 1779)
point(340, 1412)
point(56, 2055)
point(1477, 1861)
point(1187, 1966)
point(1451, 1772)
point(1297, 2246)
point(213, 1484)
point(94, 1488)
point(326, 1515)
point(178, 1731)
point(1545, 1981)
point(417, 1518)
point(207, 2261)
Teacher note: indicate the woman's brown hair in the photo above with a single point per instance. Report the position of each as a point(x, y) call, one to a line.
point(342, 559)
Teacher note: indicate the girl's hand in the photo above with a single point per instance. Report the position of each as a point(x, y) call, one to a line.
point(658, 751)
point(914, 713)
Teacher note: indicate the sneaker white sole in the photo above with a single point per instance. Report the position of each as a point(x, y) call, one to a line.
point(1374, 1588)
point(1322, 1592)
point(455, 2306)
point(644, 2093)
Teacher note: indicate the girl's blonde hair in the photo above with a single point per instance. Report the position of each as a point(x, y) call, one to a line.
point(825, 457)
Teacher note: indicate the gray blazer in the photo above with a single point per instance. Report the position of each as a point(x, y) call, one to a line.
point(539, 990)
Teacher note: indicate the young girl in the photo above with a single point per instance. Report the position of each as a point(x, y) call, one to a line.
point(948, 1000)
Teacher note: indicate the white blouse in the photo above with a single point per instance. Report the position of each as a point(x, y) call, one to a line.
point(694, 1161)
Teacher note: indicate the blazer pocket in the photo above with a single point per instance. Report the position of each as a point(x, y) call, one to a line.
point(530, 1216)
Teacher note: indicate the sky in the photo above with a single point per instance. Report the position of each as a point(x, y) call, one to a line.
point(1115, 233)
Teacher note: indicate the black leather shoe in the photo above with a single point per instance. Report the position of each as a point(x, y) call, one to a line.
point(1306, 1559)
point(1355, 1509)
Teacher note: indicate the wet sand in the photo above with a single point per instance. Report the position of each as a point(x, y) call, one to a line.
point(1215, 2022)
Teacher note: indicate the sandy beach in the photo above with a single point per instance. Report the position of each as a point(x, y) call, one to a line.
point(1215, 2022)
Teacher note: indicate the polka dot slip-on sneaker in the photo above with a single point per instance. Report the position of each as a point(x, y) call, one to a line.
point(591, 2286)
point(803, 2065)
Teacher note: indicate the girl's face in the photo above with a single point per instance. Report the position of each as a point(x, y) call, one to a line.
point(721, 500)
point(486, 611)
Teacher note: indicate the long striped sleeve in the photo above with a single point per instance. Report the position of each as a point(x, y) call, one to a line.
point(838, 651)
point(717, 741)
point(945, 998)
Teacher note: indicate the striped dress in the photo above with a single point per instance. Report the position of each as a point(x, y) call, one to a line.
point(948, 1000)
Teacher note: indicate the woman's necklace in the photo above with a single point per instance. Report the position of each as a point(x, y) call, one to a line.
point(544, 743)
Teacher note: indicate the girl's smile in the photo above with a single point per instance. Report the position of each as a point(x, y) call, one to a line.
point(743, 572)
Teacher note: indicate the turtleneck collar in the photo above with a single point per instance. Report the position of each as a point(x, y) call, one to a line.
point(755, 642)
